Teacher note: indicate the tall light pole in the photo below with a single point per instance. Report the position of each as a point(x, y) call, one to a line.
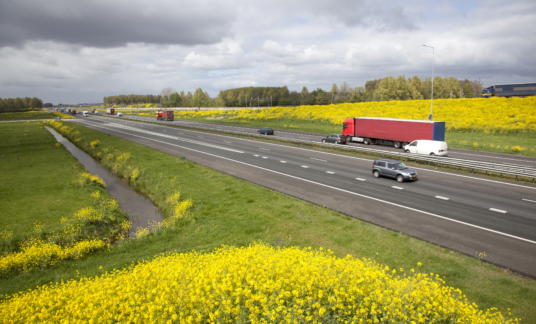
point(432, 102)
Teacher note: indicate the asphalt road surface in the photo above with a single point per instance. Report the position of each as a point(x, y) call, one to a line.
point(468, 214)
point(453, 153)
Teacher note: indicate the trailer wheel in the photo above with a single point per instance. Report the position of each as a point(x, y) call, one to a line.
point(366, 141)
point(397, 145)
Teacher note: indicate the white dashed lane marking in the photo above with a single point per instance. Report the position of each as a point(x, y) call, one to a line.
point(330, 172)
point(399, 188)
point(498, 210)
point(359, 179)
point(440, 197)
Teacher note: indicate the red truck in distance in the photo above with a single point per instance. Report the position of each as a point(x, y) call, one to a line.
point(165, 115)
point(392, 131)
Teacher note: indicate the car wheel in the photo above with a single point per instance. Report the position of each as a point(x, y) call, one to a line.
point(406, 151)
point(376, 174)
point(400, 178)
point(324, 141)
point(432, 154)
point(397, 145)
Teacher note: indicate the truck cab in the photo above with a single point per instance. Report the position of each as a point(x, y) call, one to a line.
point(488, 92)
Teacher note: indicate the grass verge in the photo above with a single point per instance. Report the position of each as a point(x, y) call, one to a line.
point(231, 211)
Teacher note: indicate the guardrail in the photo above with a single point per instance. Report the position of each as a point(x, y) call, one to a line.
point(498, 168)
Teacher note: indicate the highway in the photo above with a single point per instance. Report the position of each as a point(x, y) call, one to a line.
point(468, 214)
point(453, 153)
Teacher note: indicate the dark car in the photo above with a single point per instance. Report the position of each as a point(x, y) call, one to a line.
point(393, 169)
point(266, 131)
point(334, 138)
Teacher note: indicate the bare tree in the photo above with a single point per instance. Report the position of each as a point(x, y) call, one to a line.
point(166, 92)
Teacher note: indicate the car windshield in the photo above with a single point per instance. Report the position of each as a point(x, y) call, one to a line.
point(401, 166)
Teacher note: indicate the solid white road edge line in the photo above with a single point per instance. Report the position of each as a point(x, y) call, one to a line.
point(343, 190)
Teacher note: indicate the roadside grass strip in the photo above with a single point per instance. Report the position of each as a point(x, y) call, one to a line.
point(255, 284)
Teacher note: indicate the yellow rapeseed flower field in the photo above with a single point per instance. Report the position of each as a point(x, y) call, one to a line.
point(256, 284)
point(492, 116)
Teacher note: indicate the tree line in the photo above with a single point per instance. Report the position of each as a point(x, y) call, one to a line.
point(388, 88)
point(18, 104)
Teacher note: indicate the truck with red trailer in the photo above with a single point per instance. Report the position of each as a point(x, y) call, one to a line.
point(165, 115)
point(110, 111)
point(391, 131)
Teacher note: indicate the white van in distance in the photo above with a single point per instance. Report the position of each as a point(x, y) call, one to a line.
point(85, 113)
point(427, 147)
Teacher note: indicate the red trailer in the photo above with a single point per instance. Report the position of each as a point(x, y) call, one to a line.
point(73, 112)
point(165, 115)
point(391, 131)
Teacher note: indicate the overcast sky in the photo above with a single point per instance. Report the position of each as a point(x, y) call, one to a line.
point(70, 51)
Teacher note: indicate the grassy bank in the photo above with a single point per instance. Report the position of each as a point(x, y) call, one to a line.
point(234, 212)
point(51, 208)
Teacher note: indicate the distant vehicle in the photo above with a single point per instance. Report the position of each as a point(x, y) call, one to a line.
point(266, 131)
point(334, 138)
point(119, 115)
point(110, 111)
point(85, 113)
point(438, 148)
point(165, 115)
point(73, 112)
point(393, 169)
point(510, 90)
point(391, 131)
point(57, 117)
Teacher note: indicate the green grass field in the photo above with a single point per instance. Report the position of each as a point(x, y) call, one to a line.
point(37, 179)
point(230, 211)
point(39, 186)
point(35, 114)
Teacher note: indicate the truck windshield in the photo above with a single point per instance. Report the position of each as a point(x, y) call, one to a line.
point(401, 166)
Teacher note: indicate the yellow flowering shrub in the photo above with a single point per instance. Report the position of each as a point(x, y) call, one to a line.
point(492, 116)
point(87, 179)
point(256, 284)
point(45, 249)
point(94, 144)
point(37, 253)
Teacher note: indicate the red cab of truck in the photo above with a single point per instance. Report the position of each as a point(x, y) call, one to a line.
point(165, 115)
point(392, 131)
point(73, 112)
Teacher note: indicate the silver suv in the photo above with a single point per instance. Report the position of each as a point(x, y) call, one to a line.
point(393, 169)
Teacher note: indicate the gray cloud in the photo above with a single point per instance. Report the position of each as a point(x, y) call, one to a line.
point(114, 23)
point(381, 16)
